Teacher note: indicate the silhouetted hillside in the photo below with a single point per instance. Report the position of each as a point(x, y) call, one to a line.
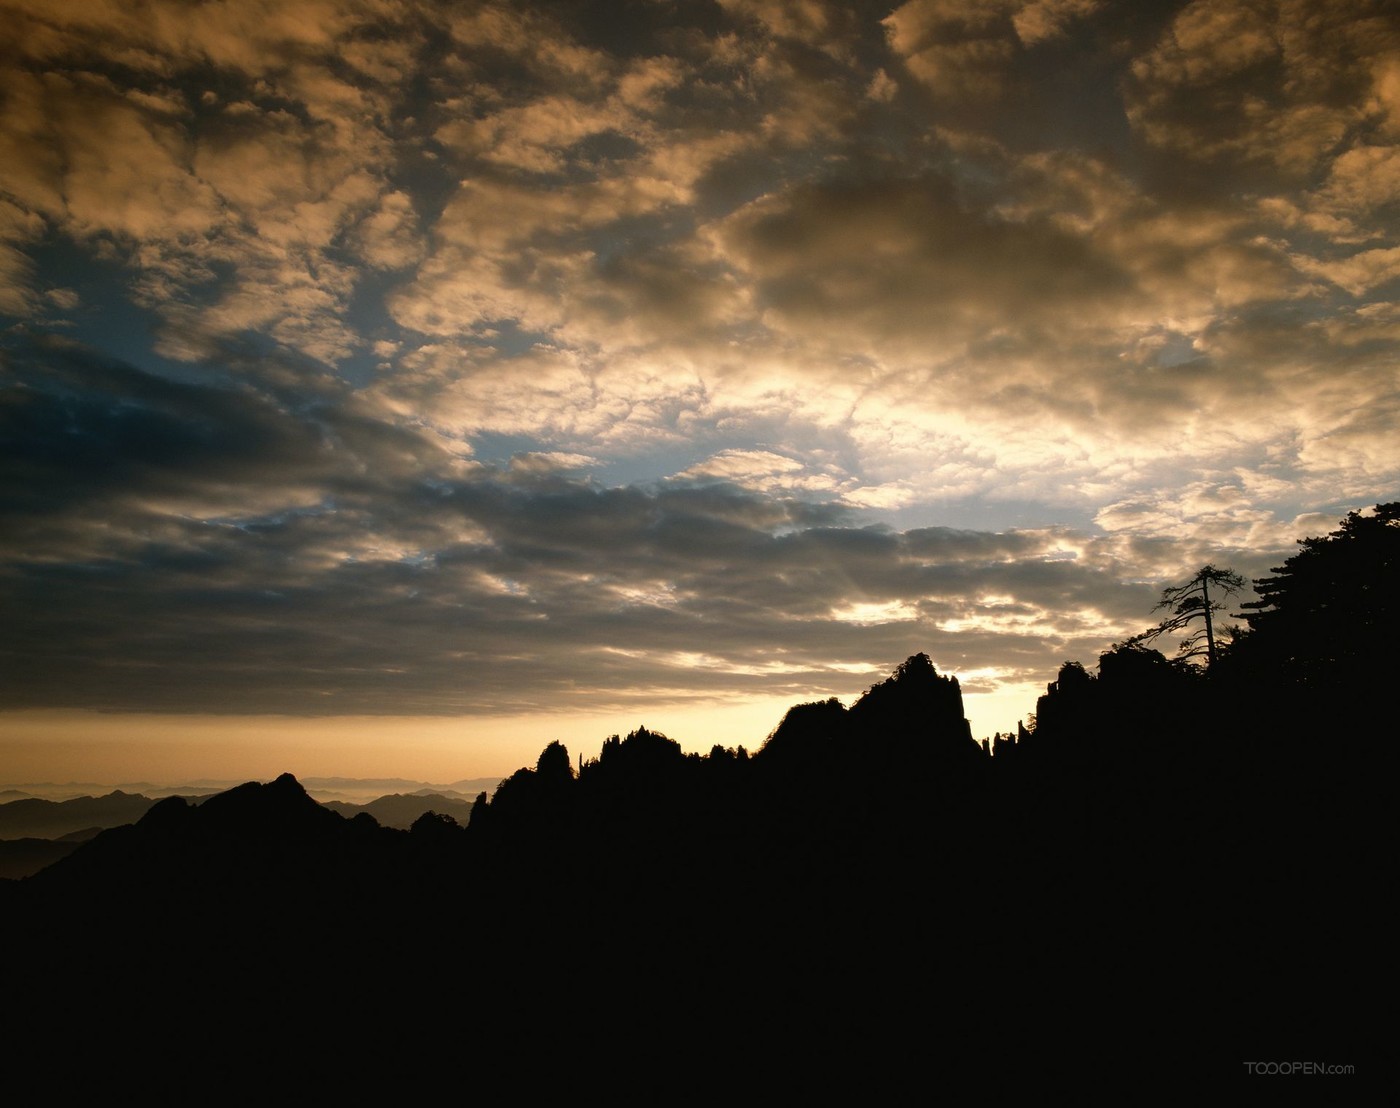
point(251, 836)
point(22, 857)
point(1170, 850)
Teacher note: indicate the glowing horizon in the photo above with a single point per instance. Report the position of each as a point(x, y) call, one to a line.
point(113, 749)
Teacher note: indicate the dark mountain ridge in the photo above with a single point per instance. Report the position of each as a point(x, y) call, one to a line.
point(1129, 866)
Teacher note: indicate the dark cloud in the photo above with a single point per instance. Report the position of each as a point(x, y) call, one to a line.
point(1242, 83)
point(909, 259)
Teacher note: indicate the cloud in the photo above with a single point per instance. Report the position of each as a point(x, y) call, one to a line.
point(771, 473)
point(1363, 180)
point(1359, 273)
point(18, 228)
point(1240, 82)
point(537, 136)
point(811, 21)
point(1048, 19)
point(881, 255)
point(390, 236)
point(225, 170)
point(956, 49)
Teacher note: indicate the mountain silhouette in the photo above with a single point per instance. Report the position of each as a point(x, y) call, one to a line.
point(25, 856)
point(1169, 854)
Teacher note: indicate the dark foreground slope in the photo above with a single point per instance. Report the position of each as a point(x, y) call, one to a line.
point(1171, 865)
point(946, 901)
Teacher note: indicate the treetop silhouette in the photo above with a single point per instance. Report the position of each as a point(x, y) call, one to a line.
point(1329, 614)
point(1191, 611)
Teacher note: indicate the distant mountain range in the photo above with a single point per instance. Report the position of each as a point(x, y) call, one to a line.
point(350, 790)
point(36, 818)
point(362, 790)
point(402, 811)
point(35, 832)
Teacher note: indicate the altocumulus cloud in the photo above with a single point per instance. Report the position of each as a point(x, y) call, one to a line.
point(401, 356)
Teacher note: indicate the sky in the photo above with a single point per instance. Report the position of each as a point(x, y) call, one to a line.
point(392, 387)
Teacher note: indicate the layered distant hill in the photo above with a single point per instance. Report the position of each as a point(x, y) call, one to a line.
point(402, 811)
point(359, 791)
point(50, 819)
point(35, 832)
